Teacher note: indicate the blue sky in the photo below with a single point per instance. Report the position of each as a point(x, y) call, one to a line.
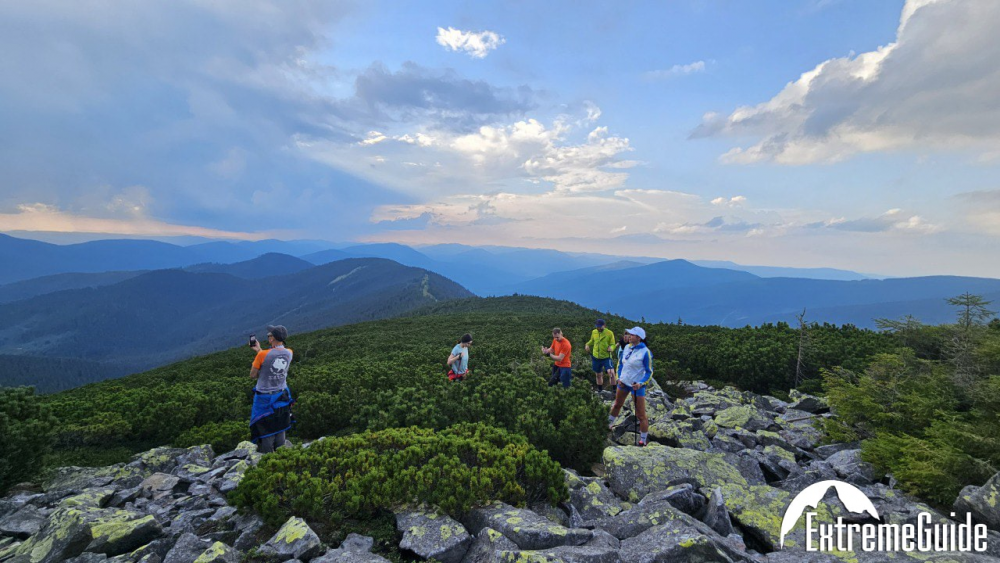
point(853, 134)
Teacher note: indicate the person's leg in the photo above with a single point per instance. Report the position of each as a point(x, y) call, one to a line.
point(620, 396)
point(640, 413)
point(597, 366)
point(265, 445)
point(566, 376)
point(279, 440)
point(554, 378)
point(612, 378)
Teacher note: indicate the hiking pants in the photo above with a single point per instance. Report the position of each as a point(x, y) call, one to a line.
point(269, 444)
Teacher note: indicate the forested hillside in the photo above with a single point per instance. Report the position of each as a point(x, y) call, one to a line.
point(165, 315)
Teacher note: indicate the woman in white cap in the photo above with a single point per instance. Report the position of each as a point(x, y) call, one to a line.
point(634, 371)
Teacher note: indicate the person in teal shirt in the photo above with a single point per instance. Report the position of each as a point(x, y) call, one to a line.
point(600, 346)
point(459, 359)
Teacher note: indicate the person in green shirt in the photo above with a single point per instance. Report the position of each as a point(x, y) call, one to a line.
point(600, 346)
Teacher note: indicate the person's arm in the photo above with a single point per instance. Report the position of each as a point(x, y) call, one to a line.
point(611, 339)
point(647, 368)
point(258, 361)
point(592, 341)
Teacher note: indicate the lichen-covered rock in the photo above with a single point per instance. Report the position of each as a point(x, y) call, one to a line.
point(591, 497)
point(218, 552)
point(354, 549)
point(294, 540)
point(23, 522)
point(683, 497)
point(809, 403)
point(158, 485)
point(90, 498)
point(679, 434)
point(64, 535)
point(744, 416)
point(982, 502)
point(848, 465)
point(676, 542)
point(232, 478)
point(563, 554)
point(525, 528)
point(488, 546)
point(157, 460)
point(638, 519)
point(120, 531)
point(79, 478)
point(633, 473)
point(758, 510)
point(187, 549)
point(433, 536)
point(716, 516)
point(88, 557)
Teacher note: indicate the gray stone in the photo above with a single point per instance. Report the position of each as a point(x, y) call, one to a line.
point(591, 497)
point(604, 539)
point(115, 531)
point(157, 460)
point(683, 497)
point(676, 542)
point(488, 546)
point(563, 554)
point(848, 465)
point(633, 473)
point(232, 478)
point(716, 515)
point(88, 558)
point(642, 517)
point(746, 417)
point(22, 523)
point(90, 498)
point(65, 535)
point(830, 449)
point(354, 549)
point(294, 540)
point(79, 478)
point(525, 528)
point(187, 549)
point(158, 485)
point(219, 552)
point(981, 502)
point(810, 404)
point(433, 536)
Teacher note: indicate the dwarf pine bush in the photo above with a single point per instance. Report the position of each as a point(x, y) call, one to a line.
point(222, 436)
point(358, 476)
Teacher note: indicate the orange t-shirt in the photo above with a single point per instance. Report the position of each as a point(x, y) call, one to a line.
point(563, 347)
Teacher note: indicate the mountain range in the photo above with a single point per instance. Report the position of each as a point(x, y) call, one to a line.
point(159, 316)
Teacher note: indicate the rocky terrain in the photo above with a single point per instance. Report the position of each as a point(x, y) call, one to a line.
point(712, 486)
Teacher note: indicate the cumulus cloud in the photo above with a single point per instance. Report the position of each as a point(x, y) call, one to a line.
point(734, 201)
point(893, 220)
point(475, 44)
point(934, 87)
point(676, 70)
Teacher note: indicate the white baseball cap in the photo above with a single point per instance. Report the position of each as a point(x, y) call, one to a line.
point(637, 331)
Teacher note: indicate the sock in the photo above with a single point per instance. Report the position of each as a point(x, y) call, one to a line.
point(642, 436)
point(611, 418)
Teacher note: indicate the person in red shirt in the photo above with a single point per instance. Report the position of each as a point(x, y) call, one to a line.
point(560, 351)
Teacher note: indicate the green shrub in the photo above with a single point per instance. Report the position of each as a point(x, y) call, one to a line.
point(359, 476)
point(26, 431)
point(222, 436)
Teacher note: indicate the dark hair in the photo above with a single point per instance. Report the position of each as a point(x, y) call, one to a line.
point(557, 331)
point(466, 338)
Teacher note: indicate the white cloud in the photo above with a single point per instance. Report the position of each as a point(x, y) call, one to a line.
point(934, 88)
point(475, 44)
point(734, 201)
point(676, 70)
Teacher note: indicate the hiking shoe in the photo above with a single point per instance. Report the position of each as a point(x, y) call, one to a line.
point(642, 443)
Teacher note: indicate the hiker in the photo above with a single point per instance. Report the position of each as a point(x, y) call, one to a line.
point(458, 361)
point(600, 346)
point(634, 372)
point(560, 351)
point(271, 414)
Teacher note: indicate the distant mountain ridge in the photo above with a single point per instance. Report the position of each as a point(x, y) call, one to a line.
point(164, 315)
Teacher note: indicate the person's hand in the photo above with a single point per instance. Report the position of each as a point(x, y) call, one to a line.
point(587, 347)
point(255, 347)
point(636, 386)
point(611, 348)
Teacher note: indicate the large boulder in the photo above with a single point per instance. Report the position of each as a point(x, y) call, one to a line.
point(22, 523)
point(488, 547)
point(433, 536)
point(849, 466)
point(744, 416)
point(642, 517)
point(982, 502)
point(65, 535)
point(294, 540)
point(186, 550)
point(219, 552)
point(120, 531)
point(677, 542)
point(633, 473)
point(525, 528)
point(591, 497)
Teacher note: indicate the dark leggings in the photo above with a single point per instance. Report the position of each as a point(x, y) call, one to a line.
point(269, 444)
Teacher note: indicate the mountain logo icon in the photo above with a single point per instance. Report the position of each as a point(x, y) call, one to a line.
point(853, 499)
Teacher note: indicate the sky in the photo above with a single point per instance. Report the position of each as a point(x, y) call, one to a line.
point(838, 133)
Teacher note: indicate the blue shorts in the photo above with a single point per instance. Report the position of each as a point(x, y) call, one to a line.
point(600, 366)
point(640, 393)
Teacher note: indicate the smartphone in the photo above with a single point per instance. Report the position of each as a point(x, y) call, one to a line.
point(253, 340)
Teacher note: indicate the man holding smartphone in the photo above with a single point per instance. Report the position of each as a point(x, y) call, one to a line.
point(271, 416)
